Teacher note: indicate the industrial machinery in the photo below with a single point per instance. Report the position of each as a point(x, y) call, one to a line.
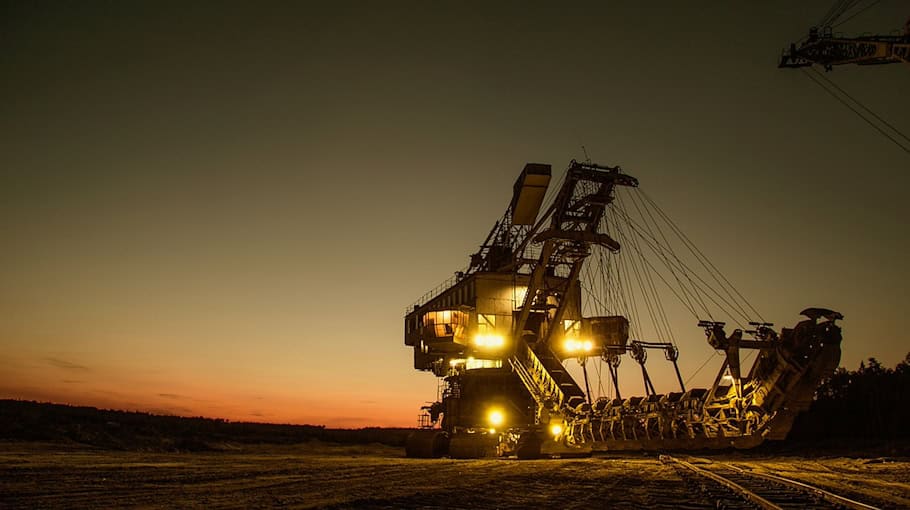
point(825, 48)
point(500, 334)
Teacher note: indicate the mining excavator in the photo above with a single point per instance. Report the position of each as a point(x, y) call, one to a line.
point(500, 334)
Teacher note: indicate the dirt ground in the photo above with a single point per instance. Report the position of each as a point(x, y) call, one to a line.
point(318, 476)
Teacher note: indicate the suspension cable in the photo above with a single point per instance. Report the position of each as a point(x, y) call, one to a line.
point(736, 304)
point(679, 265)
point(699, 255)
point(854, 110)
point(861, 105)
point(640, 280)
point(660, 250)
point(836, 11)
point(661, 319)
point(857, 13)
point(699, 369)
point(704, 291)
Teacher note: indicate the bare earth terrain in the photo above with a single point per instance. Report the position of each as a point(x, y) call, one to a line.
point(315, 475)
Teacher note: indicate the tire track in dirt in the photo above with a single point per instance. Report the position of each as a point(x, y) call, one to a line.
point(590, 483)
point(295, 479)
point(306, 481)
point(851, 478)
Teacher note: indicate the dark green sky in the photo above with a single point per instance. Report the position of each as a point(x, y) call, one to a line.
point(224, 208)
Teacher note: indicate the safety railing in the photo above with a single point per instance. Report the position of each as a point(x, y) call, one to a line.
point(535, 376)
point(437, 290)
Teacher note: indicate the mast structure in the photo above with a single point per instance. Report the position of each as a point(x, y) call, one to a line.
point(499, 335)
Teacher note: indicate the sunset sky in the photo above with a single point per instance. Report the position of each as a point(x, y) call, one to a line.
point(224, 209)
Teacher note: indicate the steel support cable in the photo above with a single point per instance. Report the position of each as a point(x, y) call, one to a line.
point(655, 324)
point(611, 279)
point(627, 297)
point(732, 303)
point(732, 312)
point(673, 253)
point(552, 191)
point(629, 301)
point(854, 110)
point(694, 293)
point(593, 296)
point(672, 271)
point(861, 105)
point(686, 304)
point(704, 291)
point(698, 253)
point(658, 305)
point(618, 287)
point(653, 289)
point(627, 304)
point(605, 269)
point(857, 13)
point(594, 278)
point(644, 293)
point(612, 302)
point(616, 290)
point(699, 369)
point(586, 276)
point(658, 316)
point(609, 285)
point(679, 265)
point(837, 11)
point(603, 266)
point(631, 262)
point(830, 12)
point(661, 252)
point(594, 305)
point(628, 292)
point(692, 310)
point(748, 356)
point(847, 5)
point(598, 367)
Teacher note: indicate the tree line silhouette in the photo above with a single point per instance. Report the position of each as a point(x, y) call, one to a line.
point(872, 403)
point(128, 430)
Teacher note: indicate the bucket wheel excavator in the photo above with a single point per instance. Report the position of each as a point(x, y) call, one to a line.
point(499, 335)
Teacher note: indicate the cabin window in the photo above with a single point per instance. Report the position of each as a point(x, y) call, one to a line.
point(445, 323)
point(486, 324)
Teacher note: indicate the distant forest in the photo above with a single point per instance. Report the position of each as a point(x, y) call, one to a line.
point(870, 403)
point(124, 430)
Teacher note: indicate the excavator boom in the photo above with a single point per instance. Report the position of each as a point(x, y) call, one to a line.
point(824, 49)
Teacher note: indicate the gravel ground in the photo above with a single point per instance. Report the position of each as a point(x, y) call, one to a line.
point(319, 476)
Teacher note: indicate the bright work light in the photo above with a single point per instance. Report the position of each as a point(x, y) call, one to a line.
point(572, 345)
point(495, 417)
point(489, 341)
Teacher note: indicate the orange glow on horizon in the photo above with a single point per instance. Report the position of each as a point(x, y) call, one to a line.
point(61, 382)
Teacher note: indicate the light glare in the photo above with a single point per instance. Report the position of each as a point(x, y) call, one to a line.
point(489, 341)
point(572, 345)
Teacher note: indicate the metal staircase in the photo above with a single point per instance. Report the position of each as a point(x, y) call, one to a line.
point(545, 377)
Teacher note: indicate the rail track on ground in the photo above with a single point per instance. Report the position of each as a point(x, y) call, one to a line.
point(730, 486)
